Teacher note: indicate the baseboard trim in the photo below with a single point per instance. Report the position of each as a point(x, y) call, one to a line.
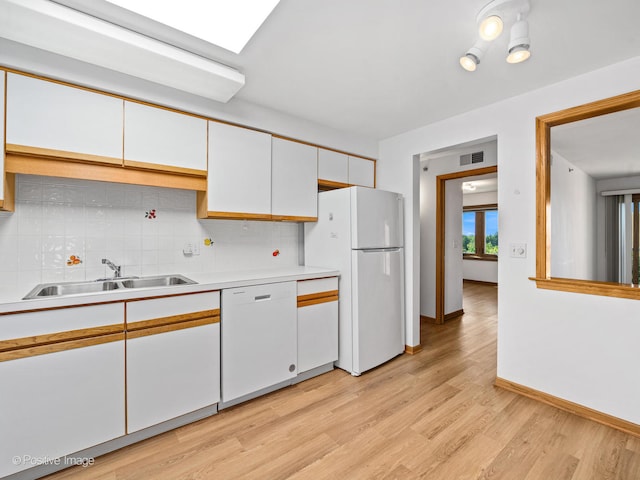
point(431, 320)
point(412, 350)
point(452, 315)
point(577, 409)
point(480, 282)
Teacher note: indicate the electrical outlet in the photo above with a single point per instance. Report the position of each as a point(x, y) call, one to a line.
point(518, 250)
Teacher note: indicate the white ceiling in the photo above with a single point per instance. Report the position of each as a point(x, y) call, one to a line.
point(383, 67)
point(603, 147)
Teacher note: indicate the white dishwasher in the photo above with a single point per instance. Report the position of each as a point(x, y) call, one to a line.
point(259, 339)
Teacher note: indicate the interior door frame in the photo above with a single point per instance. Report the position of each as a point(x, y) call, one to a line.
point(440, 230)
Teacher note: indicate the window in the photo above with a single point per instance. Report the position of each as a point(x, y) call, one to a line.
point(480, 232)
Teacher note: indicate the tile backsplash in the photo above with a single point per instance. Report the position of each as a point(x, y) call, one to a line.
point(62, 228)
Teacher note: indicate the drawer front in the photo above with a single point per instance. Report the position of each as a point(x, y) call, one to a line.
point(45, 322)
point(306, 287)
point(154, 308)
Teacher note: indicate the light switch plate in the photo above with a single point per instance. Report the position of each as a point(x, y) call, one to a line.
point(518, 250)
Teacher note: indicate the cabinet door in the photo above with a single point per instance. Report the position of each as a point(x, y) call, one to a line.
point(62, 377)
point(317, 323)
point(58, 120)
point(333, 166)
point(239, 180)
point(294, 180)
point(173, 357)
point(362, 172)
point(60, 403)
point(157, 138)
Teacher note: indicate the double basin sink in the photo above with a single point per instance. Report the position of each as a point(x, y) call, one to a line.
point(73, 288)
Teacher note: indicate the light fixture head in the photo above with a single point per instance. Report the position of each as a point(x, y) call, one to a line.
point(518, 50)
point(470, 60)
point(490, 27)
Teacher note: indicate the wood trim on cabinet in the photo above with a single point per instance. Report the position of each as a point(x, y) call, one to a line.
point(164, 168)
point(292, 218)
point(316, 301)
point(330, 184)
point(412, 349)
point(173, 319)
point(59, 347)
point(7, 204)
point(172, 327)
point(58, 337)
point(313, 296)
point(237, 215)
point(101, 172)
point(571, 407)
point(38, 152)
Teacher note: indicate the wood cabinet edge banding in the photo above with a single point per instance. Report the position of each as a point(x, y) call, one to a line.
point(571, 407)
point(59, 347)
point(102, 172)
point(292, 218)
point(172, 320)
point(192, 172)
point(330, 184)
point(172, 327)
point(238, 216)
point(317, 301)
point(48, 153)
point(312, 296)
point(59, 337)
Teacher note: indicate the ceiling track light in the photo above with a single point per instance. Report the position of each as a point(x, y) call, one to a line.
point(518, 50)
point(470, 60)
point(491, 21)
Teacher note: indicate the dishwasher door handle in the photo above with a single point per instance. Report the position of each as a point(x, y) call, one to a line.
point(262, 298)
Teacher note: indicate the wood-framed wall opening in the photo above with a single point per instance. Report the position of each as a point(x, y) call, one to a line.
point(440, 230)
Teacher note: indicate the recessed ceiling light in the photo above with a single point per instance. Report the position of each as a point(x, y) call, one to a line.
point(229, 24)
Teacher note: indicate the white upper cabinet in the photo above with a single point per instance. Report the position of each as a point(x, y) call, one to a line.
point(362, 172)
point(158, 137)
point(294, 180)
point(333, 166)
point(48, 116)
point(239, 179)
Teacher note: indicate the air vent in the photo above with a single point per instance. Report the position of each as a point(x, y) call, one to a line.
point(471, 158)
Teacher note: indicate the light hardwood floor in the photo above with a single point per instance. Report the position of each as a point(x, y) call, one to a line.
point(434, 415)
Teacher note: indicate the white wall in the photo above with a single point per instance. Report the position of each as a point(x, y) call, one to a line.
point(427, 221)
point(582, 348)
point(573, 221)
point(57, 217)
point(480, 270)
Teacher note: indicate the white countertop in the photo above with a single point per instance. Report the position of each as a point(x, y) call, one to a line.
point(11, 301)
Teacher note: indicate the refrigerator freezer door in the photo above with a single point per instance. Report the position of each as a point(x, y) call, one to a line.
point(376, 218)
point(378, 314)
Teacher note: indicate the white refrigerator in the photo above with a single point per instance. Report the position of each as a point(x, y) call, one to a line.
point(360, 232)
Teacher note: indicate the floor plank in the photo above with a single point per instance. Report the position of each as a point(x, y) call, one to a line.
point(434, 415)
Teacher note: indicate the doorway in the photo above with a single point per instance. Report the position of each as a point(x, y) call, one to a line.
point(441, 210)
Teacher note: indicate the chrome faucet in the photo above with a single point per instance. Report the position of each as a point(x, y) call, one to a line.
point(112, 266)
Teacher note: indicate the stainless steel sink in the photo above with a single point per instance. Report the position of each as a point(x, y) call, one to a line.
point(159, 281)
point(74, 288)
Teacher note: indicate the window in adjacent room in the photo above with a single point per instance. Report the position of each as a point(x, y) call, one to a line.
point(480, 232)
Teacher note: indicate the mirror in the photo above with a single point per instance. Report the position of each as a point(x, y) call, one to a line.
point(588, 197)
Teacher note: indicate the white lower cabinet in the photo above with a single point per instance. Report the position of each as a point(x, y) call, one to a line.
point(317, 323)
point(173, 357)
point(60, 396)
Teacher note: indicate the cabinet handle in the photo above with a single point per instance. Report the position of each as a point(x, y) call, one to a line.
point(262, 298)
